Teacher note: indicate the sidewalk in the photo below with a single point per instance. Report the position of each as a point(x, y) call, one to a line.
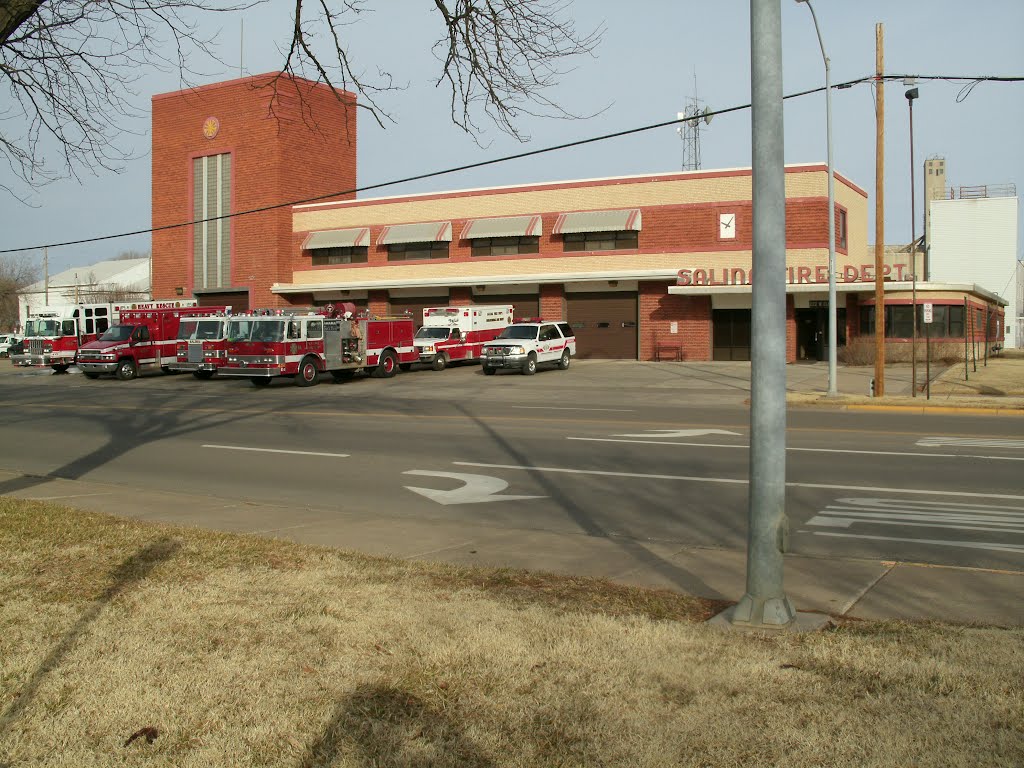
point(853, 588)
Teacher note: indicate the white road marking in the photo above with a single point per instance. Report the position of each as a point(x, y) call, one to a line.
point(738, 481)
point(971, 442)
point(276, 450)
point(477, 489)
point(563, 408)
point(989, 545)
point(803, 450)
point(666, 433)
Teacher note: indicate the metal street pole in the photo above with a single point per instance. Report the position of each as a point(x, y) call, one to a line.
point(911, 95)
point(832, 333)
point(765, 604)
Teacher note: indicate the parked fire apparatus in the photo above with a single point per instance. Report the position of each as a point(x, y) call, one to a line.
point(449, 334)
point(143, 338)
point(302, 343)
point(53, 336)
point(202, 345)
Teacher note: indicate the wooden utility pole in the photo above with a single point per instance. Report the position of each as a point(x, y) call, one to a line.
point(879, 213)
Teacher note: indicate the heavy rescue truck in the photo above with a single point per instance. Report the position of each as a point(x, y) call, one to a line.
point(449, 334)
point(54, 335)
point(302, 343)
point(202, 345)
point(143, 338)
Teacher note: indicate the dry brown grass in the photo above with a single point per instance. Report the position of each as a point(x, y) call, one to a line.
point(243, 651)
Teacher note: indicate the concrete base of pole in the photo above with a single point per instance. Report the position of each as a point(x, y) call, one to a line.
point(799, 622)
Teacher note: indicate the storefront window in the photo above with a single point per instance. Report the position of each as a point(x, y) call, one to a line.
point(356, 254)
point(601, 241)
point(417, 251)
point(505, 246)
point(947, 321)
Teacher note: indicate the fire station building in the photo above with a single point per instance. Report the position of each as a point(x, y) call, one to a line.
point(649, 267)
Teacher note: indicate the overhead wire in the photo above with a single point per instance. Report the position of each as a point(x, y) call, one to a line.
point(872, 79)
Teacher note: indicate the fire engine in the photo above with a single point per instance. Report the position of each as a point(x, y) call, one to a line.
point(202, 344)
point(302, 343)
point(143, 338)
point(53, 336)
point(458, 333)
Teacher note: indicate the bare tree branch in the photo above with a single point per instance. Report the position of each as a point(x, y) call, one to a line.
point(16, 272)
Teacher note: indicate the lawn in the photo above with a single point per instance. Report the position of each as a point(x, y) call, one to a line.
point(123, 643)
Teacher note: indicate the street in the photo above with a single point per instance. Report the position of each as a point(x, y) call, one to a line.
point(630, 452)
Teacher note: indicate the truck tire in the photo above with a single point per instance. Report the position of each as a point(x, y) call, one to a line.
point(489, 371)
point(308, 374)
point(261, 382)
point(566, 358)
point(387, 367)
point(126, 369)
point(203, 375)
point(530, 366)
point(440, 362)
point(60, 368)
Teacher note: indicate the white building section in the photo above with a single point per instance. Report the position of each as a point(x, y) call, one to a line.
point(975, 240)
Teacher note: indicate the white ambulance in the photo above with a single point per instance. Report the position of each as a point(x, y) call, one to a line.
point(450, 334)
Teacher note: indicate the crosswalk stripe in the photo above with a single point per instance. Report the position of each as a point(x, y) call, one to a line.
point(971, 442)
point(990, 545)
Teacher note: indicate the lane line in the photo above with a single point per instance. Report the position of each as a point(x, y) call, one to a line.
point(560, 408)
point(733, 481)
point(805, 450)
point(843, 522)
point(276, 450)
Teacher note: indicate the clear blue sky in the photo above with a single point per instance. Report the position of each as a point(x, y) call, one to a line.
point(643, 72)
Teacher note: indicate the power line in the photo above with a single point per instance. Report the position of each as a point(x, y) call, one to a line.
point(972, 80)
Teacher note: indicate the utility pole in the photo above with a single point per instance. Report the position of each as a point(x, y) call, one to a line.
point(46, 277)
point(765, 604)
point(879, 212)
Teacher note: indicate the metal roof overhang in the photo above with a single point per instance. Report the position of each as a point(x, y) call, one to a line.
point(890, 287)
point(598, 221)
point(545, 277)
point(337, 238)
point(424, 232)
point(508, 226)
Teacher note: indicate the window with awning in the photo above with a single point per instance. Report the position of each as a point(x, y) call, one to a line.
point(507, 226)
point(337, 238)
point(625, 220)
point(423, 232)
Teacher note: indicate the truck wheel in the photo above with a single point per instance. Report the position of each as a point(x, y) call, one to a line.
point(440, 362)
point(260, 382)
point(489, 371)
point(308, 373)
point(387, 366)
point(90, 375)
point(127, 370)
point(60, 368)
point(203, 375)
point(530, 367)
point(566, 359)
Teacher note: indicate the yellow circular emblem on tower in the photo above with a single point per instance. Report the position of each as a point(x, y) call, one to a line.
point(210, 127)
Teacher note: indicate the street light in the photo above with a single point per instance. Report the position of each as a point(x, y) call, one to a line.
point(832, 389)
point(911, 95)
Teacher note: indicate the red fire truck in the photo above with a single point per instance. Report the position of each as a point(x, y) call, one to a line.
point(303, 343)
point(449, 334)
point(53, 336)
point(143, 338)
point(202, 345)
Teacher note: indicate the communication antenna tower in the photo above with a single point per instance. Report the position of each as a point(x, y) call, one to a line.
point(695, 113)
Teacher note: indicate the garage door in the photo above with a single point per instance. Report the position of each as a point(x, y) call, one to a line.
point(731, 334)
point(526, 305)
point(605, 324)
point(239, 302)
point(415, 306)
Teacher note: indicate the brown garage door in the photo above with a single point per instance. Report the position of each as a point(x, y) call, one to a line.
point(239, 302)
point(526, 305)
point(605, 324)
point(415, 306)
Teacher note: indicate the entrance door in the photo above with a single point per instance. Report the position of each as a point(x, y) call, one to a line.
point(604, 323)
point(730, 334)
point(812, 332)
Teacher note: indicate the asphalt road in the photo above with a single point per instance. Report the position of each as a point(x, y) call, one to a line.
point(633, 451)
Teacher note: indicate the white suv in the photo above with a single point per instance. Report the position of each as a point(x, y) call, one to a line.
point(524, 346)
point(6, 339)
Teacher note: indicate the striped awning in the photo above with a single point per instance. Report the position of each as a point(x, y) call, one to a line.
point(426, 232)
point(507, 226)
point(598, 221)
point(337, 238)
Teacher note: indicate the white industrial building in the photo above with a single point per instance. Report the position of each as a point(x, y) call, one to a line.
point(105, 281)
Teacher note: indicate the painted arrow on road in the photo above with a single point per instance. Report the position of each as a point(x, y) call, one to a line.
point(680, 433)
point(478, 489)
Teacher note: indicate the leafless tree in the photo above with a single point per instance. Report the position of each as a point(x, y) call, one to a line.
point(15, 273)
point(70, 66)
point(131, 255)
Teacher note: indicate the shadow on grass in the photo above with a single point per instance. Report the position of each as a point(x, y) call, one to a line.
point(128, 574)
point(387, 726)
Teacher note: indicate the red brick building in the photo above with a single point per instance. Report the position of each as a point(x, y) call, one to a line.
point(643, 267)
